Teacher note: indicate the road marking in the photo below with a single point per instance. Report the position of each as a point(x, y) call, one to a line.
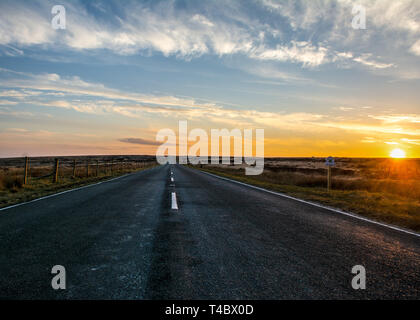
point(172, 179)
point(353, 215)
point(174, 204)
point(71, 190)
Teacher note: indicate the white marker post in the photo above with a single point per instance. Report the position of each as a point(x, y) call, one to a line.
point(329, 162)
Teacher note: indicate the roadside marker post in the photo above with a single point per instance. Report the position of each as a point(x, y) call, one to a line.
point(329, 162)
point(25, 174)
point(329, 179)
point(55, 176)
point(74, 168)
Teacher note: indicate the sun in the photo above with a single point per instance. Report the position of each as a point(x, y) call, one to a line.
point(397, 153)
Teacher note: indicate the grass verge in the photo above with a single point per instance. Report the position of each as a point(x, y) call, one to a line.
point(383, 207)
point(44, 187)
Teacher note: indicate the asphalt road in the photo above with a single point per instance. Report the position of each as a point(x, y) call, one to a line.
point(121, 240)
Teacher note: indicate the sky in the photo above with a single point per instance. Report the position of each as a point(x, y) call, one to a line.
point(121, 71)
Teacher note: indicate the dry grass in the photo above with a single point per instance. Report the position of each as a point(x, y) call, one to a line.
point(383, 189)
point(11, 182)
point(40, 180)
point(397, 177)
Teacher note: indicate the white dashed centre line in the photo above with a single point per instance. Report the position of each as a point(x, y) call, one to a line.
point(174, 203)
point(172, 179)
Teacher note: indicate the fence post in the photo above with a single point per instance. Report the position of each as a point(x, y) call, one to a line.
point(87, 169)
point(55, 176)
point(74, 168)
point(25, 174)
point(112, 169)
point(329, 179)
point(97, 167)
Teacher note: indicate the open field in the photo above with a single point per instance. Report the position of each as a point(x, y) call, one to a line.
point(72, 172)
point(386, 190)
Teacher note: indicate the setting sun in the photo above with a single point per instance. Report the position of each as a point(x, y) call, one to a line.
point(397, 153)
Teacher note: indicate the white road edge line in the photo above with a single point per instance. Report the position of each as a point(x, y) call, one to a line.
point(174, 204)
point(353, 215)
point(70, 190)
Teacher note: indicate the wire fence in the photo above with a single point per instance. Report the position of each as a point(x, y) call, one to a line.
point(31, 170)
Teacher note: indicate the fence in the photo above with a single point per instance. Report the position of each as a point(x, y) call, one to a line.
point(30, 170)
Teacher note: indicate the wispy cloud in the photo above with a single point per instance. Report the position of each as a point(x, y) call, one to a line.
point(295, 68)
point(411, 141)
point(7, 102)
point(365, 59)
point(206, 29)
point(298, 51)
point(415, 48)
point(95, 98)
point(140, 141)
point(54, 83)
point(393, 118)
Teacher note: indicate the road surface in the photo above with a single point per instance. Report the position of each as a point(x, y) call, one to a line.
point(121, 239)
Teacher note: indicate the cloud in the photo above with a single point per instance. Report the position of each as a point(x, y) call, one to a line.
point(299, 51)
point(17, 114)
point(411, 141)
point(160, 28)
point(95, 98)
point(10, 51)
point(77, 86)
point(19, 130)
point(272, 72)
point(140, 141)
point(415, 48)
point(394, 15)
point(287, 34)
point(202, 20)
point(7, 102)
point(365, 60)
point(345, 109)
point(361, 127)
point(411, 118)
point(26, 132)
point(24, 24)
point(368, 140)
